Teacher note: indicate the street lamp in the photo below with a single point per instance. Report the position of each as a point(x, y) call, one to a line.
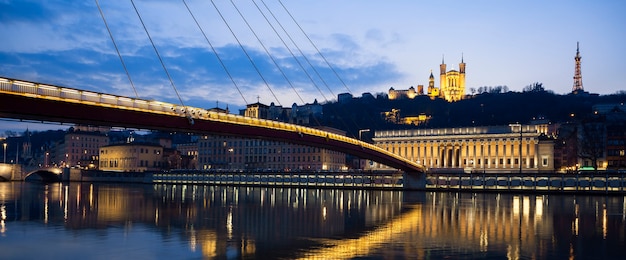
point(5, 152)
point(360, 139)
point(361, 133)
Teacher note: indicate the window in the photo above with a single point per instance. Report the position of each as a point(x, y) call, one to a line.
point(544, 161)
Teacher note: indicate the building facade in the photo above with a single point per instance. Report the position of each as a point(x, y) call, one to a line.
point(302, 115)
point(237, 153)
point(78, 149)
point(452, 82)
point(451, 85)
point(131, 157)
point(402, 93)
point(489, 149)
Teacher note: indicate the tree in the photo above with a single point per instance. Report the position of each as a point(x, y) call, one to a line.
point(535, 87)
point(592, 133)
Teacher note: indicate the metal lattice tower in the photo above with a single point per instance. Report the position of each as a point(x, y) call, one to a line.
point(578, 78)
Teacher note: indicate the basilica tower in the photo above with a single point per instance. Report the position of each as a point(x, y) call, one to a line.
point(433, 92)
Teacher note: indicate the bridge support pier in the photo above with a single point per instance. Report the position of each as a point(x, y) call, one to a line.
point(414, 181)
point(70, 174)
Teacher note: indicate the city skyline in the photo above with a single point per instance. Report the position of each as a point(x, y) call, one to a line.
point(371, 45)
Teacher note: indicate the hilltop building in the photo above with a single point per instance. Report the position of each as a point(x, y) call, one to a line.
point(452, 82)
point(451, 85)
point(433, 92)
point(403, 93)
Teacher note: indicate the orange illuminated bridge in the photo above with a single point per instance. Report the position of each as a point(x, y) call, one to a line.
point(34, 101)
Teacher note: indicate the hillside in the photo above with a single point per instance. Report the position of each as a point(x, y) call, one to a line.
point(482, 109)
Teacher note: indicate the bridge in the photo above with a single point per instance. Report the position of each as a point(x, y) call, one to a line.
point(26, 100)
point(45, 175)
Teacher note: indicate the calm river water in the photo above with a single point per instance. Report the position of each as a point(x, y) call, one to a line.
point(113, 221)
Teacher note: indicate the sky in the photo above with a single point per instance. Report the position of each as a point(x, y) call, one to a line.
point(219, 53)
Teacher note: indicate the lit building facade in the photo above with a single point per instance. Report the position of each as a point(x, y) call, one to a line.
point(78, 148)
point(432, 91)
point(236, 153)
point(189, 152)
point(131, 157)
point(452, 82)
point(489, 149)
point(402, 93)
point(451, 85)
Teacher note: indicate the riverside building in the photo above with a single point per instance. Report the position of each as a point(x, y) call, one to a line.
point(486, 149)
point(77, 148)
point(237, 153)
point(131, 157)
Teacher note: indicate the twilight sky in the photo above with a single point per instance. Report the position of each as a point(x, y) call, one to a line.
point(370, 45)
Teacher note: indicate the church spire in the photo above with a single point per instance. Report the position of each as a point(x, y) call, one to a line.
point(462, 65)
point(442, 66)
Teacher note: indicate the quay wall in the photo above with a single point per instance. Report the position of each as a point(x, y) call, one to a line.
point(602, 183)
point(538, 183)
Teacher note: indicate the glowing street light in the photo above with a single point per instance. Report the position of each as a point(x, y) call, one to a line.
point(361, 133)
point(5, 152)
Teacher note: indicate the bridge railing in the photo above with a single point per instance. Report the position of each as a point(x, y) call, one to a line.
point(75, 95)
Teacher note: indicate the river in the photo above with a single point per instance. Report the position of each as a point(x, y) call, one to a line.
point(166, 221)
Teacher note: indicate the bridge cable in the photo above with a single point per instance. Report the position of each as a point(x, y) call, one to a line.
point(352, 119)
point(286, 46)
point(301, 54)
point(215, 52)
point(315, 46)
point(117, 50)
point(244, 50)
point(292, 55)
point(300, 51)
point(163, 64)
point(267, 51)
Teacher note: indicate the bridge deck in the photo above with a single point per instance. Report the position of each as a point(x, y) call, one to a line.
point(35, 101)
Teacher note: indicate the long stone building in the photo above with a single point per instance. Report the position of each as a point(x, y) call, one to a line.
point(489, 149)
point(238, 153)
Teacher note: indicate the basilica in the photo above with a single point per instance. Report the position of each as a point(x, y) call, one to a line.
point(451, 85)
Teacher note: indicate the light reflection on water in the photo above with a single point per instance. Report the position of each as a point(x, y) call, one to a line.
point(104, 221)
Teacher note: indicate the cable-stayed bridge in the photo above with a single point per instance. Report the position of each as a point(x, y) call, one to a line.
point(35, 101)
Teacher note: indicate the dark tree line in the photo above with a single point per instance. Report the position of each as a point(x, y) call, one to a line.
point(480, 110)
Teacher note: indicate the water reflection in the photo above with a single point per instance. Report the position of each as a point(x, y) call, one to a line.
point(189, 221)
